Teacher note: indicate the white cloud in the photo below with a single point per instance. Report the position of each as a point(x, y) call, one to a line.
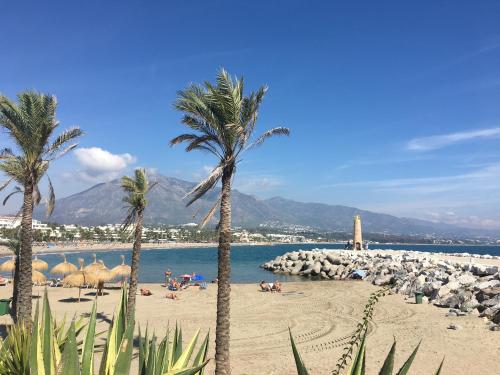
point(440, 141)
point(101, 165)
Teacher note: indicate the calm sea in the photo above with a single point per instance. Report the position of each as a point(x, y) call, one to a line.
point(245, 259)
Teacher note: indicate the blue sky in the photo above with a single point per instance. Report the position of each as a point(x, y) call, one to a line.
point(393, 106)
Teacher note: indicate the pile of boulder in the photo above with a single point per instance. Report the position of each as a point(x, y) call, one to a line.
point(462, 287)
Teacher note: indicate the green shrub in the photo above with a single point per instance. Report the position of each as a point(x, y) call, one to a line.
point(49, 348)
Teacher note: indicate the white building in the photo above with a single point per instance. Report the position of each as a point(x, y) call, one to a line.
point(10, 222)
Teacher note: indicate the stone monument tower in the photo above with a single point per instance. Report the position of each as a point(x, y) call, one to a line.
point(357, 243)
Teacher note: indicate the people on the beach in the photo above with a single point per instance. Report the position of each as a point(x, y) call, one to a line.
point(270, 287)
point(277, 286)
point(264, 287)
point(168, 275)
point(172, 296)
point(100, 287)
point(174, 285)
point(146, 292)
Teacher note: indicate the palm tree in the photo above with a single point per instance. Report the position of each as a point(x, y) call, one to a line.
point(136, 189)
point(31, 124)
point(223, 120)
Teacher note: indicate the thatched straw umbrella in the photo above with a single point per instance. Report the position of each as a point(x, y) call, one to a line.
point(79, 279)
point(39, 265)
point(9, 266)
point(123, 269)
point(37, 277)
point(64, 268)
point(102, 276)
point(95, 265)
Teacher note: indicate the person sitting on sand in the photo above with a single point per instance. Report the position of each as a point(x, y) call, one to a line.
point(277, 286)
point(172, 296)
point(265, 287)
point(146, 292)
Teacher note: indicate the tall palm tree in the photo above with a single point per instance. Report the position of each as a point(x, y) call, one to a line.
point(31, 124)
point(223, 120)
point(136, 189)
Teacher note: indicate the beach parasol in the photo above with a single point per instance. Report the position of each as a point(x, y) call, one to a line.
point(39, 265)
point(63, 268)
point(80, 278)
point(37, 277)
point(95, 265)
point(123, 269)
point(9, 266)
point(198, 278)
point(104, 274)
point(185, 276)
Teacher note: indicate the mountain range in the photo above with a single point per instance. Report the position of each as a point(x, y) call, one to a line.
point(102, 204)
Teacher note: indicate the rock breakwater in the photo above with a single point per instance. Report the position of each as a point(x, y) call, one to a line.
point(462, 287)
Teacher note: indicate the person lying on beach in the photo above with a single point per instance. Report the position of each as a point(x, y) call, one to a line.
point(146, 292)
point(172, 296)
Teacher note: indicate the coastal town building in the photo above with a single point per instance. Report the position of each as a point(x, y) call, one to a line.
point(10, 222)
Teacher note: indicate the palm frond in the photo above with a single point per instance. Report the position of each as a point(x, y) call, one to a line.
point(136, 189)
point(51, 200)
point(66, 136)
point(17, 190)
point(210, 213)
point(6, 183)
point(37, 197)
point(268, 134)
point(205, 185)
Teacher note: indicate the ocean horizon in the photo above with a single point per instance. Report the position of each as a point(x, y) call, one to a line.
point(245, 259)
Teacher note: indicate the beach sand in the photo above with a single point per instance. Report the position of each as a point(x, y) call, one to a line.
point(321, 315)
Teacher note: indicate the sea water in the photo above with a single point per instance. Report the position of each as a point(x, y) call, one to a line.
point(245, 259)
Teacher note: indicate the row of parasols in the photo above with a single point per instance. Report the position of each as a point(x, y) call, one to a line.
point(91, 275)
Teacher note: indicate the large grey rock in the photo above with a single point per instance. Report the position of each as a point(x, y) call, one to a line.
point(484, 270)
point(466, 279)
point(316, 268)
point(449, 300)
point(488, 284)
point(333, 259)
point(383, 280)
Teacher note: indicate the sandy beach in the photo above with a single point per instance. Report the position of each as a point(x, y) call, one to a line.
point(321, 315)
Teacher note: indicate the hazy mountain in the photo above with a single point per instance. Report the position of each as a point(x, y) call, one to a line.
point(103, 204)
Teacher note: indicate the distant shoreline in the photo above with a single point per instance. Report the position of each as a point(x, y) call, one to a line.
point(102, 247)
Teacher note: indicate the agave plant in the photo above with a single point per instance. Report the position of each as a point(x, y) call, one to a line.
point(358, 365)
point(169, 358)
point(358, 339)
point(49, 348)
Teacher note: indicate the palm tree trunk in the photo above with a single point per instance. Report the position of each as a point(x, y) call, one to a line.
point(15, 288)
point(25, 287)
point(222, 330)
point(136, 253)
